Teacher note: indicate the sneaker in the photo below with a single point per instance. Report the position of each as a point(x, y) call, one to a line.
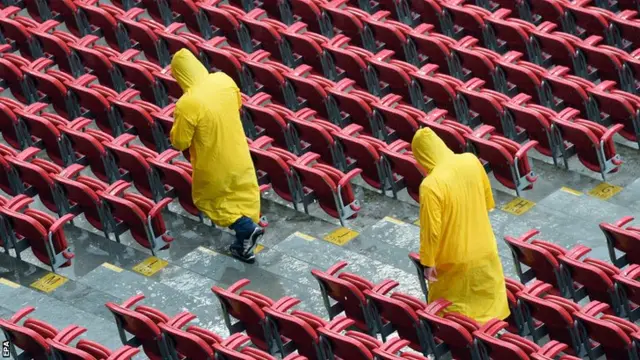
point(251, 242)
point(238, 254)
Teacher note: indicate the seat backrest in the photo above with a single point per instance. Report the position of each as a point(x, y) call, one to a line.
point(615, 342)
point(598, 284)
point(136, 165)
point(138, 325)
point(303, 335)
point(365, 155)
point(455, 336)
point(557, 320)
point(624, 240)
point(245, 311)
point(500, 349)
point(187, 344)
point(345, 293)
point(404, 319)
point(26, 339)
point(543, 264)
point(276, 169)
point(345, 347)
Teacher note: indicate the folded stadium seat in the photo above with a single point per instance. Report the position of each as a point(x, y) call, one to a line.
point(390, 35)
point(90, 350)
point(189, 13)
point(140, 215)
point(536, 122)
point(539, 11)
point(433, 48)
point(167, 81)
point(507, 159)
point(505, 346)
point(224, 18)
point(392, 76)
point(101, 19)
point(136, 118)
point(45, 134)
point(55, 48)
point(462, 19)
point(268, 76)
point(306, 47)
point(95, 61)
point(355, 105)
point(164, 117)
point(93, 100)
point(439, 90)
point(14, 29)
point(36, 175)
point(450, 333)
point(609, 335)
point(31, 337)
point(430, 12)
point(193, 342)
point(350, 345)
point(363, 152)
point(266, 36)
point(142, 323)
point(220, 56)
point(173, 40)
point(10, 182)
point(177, 176)
point(144, 37)
point(407, 172)
point(629, 289)
point(299, 328)
point(397, 313)
point(330, 187)
point(346, 293)
point(89, 149)
point(477, 62)
point(591, 278)
point(552, 350)
point(13, 77)
point(348, 61)
point(395, 119)
point(485, 106)
point(626, 25)
point(603, 62)
point(131, 159)
point(584, 21)
point(81, 192)
point(510, 34)
point(236, 349)
point(345, 21)
point(272, 168)
point(555, 48)
point(450, 131)
point(311, 134)
point(310, 89)
point(550, 315)
point(51, 87)
point(623, 239)
point(541, 261)
point(42, 232)
point(522, 77)
point(246, 307)
point(570, 91)
point(391, 350)
point(14, 129)
point(266, 118)
point(593, 142)
point(310, 13)
point(618, 107)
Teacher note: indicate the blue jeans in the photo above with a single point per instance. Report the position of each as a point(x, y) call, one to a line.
point(243, 227)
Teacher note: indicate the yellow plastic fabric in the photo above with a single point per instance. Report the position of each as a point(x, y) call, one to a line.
point(207, 122)
point(455, 233)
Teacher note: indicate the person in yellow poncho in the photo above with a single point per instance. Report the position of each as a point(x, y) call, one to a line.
point(457, 244)
point(207, 122)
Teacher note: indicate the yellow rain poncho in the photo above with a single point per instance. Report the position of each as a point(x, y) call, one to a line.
point(455, 233)
point(207, 122)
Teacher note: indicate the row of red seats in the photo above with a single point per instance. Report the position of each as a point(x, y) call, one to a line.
point(62, 190)
point(572, 275)
point(592, 330)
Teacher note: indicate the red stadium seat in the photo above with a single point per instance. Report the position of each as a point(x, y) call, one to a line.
point(623, 238)
point(508, 159)
point(405, 168)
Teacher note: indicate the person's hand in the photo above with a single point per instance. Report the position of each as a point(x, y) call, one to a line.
point(430, 274)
